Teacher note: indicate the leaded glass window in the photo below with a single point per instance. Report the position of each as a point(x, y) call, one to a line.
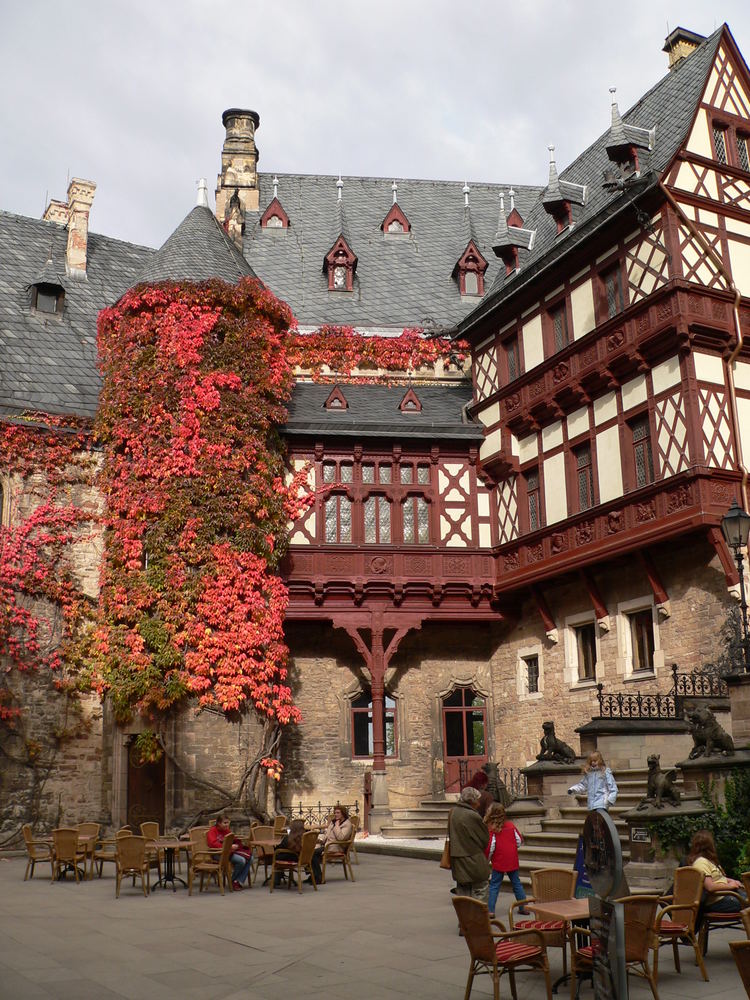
point(329, 472)
point(532, 490)
point(407, 474)
point(346, 472)
point(368, 473)
point(560, 327)
point(720, 144)
point(585, 478)
point(416, 518)
point(644, 462)
point(743, 159)
point(423, 474)
point(384, 473)
point(613, 287)
point(377, 519)
point(338, 519)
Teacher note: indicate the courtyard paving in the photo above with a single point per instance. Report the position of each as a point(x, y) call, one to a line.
point(391, 934)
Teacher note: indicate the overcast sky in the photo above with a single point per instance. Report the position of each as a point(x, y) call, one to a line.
point(130, 95)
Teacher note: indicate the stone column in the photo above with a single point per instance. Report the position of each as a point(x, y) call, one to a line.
point(380, 814)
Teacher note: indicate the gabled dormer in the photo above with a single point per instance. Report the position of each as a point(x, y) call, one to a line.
point(469, 270)
point(411, 402)
point(510, 236)
point(336, 400)
point(47, 290)
point(559, 196)
point(395, 223)
point(274, 216)
point(623, 144)
point(340, 262)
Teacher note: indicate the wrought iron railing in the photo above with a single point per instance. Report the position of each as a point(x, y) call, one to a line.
point(511, 777)
point(316, 814)
point(629, 705)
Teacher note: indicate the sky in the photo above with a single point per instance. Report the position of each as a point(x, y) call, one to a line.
point(130, 95)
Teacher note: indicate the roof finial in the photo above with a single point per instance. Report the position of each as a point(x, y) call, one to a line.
point(466, 189)
point(275, 186)
point(502, 204)
point(394, 188)
point(512, 194)
point(202, 198)
point(340, 187)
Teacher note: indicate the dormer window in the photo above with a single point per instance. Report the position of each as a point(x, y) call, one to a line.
point(340, 263)
point(395, 223)
point(47, 298)
point(563, 216)
point(470, 269)
point(274, 216)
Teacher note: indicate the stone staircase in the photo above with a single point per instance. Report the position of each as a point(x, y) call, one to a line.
point(554, 844)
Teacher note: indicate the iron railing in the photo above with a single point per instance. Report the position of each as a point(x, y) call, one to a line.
point(511, 777)
point(626, 705)
point(316, 814)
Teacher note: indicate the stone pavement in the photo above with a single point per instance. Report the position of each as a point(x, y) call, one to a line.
point(391, 934)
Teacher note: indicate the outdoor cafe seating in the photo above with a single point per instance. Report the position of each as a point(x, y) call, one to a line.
point(289, 867)
point(207, 864)
point(548, 884)
point(132, 860)
point(68, 853)
point(338, 854)
point(676, 920)
point(36, 850)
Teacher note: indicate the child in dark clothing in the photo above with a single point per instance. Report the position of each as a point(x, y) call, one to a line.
point(502, 853)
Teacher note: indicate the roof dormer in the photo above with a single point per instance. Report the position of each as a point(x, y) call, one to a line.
point(395, 223)
point(47, 290)
point(411, 402)
point(336, 400)
point(274, 216)
point(559, 196)
point(509, 238)
point(340, 262)
point(623, 144)
point(469, 270)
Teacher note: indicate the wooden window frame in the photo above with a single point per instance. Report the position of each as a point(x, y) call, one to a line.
point(733, 133)
point(614, 269)
point(511, 345)
point(555, 310)
point(574, 492)
point(529, 492)
point(633, 446)
point(389, 712)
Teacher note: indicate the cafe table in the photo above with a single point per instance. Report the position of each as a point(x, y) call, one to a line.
point(87, 842)
point(570, 911)
point(267, 843)
point(169, 845)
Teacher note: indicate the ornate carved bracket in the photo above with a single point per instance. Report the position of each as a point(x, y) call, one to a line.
point(546, 615)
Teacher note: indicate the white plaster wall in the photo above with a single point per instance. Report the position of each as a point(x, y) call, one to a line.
point(533, 348)
point(743, 413)
point(739, 256)
point(578, 422)
point(582, 309)
point(528, 448)
point(665, 375)
point(490, 415)
point(634, 392)
point(555, 491)
point(709, 368)
point(552, 435)
point(491, 445)
point(609, 464)
point(605, 408)
point(742, 375)
point(700, 139)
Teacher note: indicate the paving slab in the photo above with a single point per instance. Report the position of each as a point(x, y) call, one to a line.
point(390, 934)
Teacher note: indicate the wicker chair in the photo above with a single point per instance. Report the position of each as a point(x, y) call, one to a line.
point(67, 853)
point(309, 841)
point(150, 830)
point(676, 920)
point(337, 853)
point(132, 860)
point(279, 825)
point(261, 840)
point(495, 951)
point(548, 884)
point(355, 820)
point(106, 850)
point(36, 850)
point(745, 916)
point(714, 918)
point(204, 863)
point(745, 879)
point(639, 919)
point(741, 954)
point(91, 831)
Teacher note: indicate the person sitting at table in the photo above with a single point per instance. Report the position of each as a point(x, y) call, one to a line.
point(338, 831)
point(702, 856)
point(290, 846)
point(241, 857)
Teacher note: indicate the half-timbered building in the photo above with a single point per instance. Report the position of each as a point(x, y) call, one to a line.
point(482, 551)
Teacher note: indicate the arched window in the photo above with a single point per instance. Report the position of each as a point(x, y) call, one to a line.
point(362, 725)
point(377, 517)
point(338, 518)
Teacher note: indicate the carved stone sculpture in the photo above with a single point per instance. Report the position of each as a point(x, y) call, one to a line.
point(495, 784)
point(660, 787)
point(709, 738)
point(553, 749)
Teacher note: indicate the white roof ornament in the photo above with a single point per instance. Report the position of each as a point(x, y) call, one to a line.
point(512, 194)
point(340, 186)
point(202, 198)
point(394, 188)
point(466, 190)
point(275, 186)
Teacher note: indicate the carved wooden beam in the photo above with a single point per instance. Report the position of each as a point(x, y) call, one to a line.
point(600, 608)
point(661, 597)
point(545, 614)
point(716, 539)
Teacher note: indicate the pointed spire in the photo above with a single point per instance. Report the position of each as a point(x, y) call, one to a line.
point(275, 186)
point(466, 189)
point(394, 188)
point(512, 195)
point(502, 238)
point(340, 188)
point(553, 185)
point(617, 132)
point(202, 198)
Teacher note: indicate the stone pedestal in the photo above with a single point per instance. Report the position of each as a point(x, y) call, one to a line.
point(380, 813)
point(527, 814)
point(712, 771)
point(649, 868)
point(550, 783)
point(739, 700)
point(628, 743)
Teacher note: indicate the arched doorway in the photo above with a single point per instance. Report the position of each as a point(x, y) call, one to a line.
point(145, 789)
point(464, 736)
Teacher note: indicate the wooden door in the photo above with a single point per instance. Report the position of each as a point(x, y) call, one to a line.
point(145, 790)
point(464, 736)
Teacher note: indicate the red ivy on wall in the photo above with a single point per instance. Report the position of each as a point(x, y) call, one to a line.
point(195, 381)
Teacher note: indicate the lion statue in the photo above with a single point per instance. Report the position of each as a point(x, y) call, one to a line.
point(709, 738)
point(660, 788)
point(554, 749)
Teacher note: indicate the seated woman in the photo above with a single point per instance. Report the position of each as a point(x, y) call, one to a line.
point(290, 846)
point(338, 831)
point(703, 856)
point(241, 857)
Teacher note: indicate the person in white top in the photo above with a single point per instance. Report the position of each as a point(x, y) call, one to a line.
point(597, 782)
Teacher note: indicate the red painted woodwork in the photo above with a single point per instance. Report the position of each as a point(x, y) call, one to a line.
point(336, 400)
point(395, 214)
point(472, 260)
point(657, 587)
point(340, 255)
point(410, 403)
point(543, 608)
point(146, 789)
point(464, 736)
point(600, 608)
point(274, 208)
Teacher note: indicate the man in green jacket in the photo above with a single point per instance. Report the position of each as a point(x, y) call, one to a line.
point(469, 838)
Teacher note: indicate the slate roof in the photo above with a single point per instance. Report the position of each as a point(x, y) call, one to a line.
point(400, 281)
point(669, 106)
point(48, 363)
point(197, 250)
point(374, 412)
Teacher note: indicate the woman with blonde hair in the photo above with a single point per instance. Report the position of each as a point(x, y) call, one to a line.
point(597, 782)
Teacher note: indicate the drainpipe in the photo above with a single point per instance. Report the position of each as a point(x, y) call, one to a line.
point(719, 264)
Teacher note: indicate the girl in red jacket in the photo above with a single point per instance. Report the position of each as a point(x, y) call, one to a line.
point(502, 853)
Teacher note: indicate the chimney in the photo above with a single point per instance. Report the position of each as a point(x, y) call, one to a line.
point(80, 198)
point(679, 44)
point(237, 184)
point(56, 211)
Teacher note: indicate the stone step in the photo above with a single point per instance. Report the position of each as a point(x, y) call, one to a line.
point(424, 815)
point(564, 825)
point(413, 831)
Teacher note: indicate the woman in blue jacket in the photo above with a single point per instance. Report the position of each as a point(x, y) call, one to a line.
point(597, 782)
